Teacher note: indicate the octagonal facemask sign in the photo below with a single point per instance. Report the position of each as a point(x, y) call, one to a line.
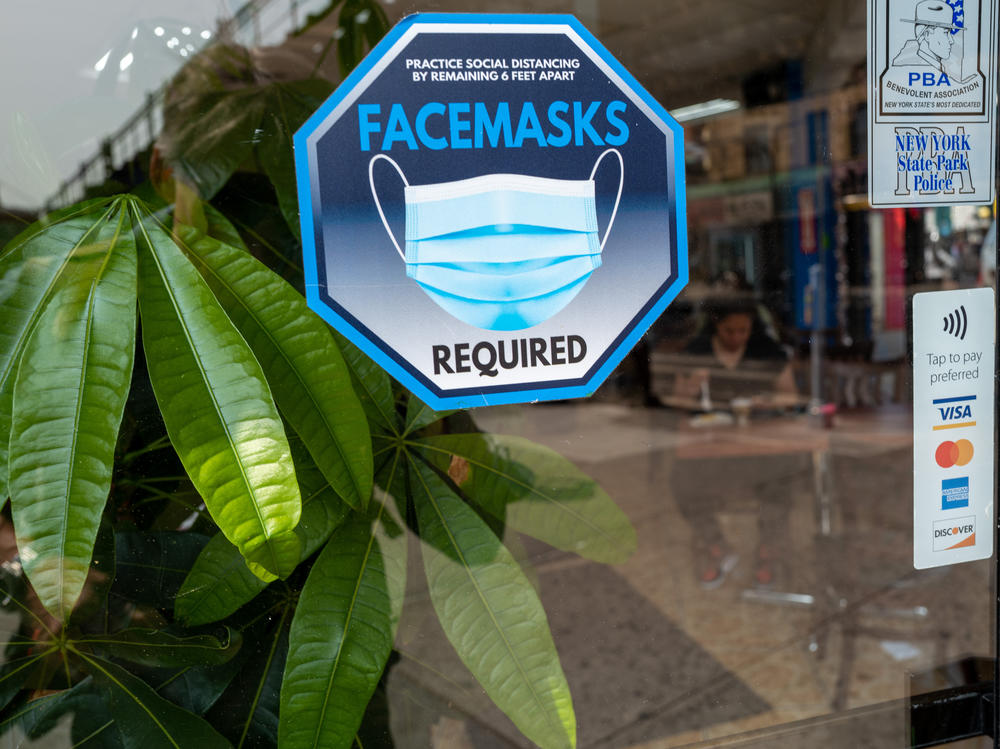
point(492, 208)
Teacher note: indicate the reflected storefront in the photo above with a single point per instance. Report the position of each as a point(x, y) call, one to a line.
point(714, 549)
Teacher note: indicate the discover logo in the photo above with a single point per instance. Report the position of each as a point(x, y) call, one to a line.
point(957, 533)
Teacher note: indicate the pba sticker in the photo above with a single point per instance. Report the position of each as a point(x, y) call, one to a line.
point(931, 90)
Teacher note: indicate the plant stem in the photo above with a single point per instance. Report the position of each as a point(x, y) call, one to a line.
point(158, 444)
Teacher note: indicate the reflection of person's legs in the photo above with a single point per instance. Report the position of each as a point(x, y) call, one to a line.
point(784, 476)
point(700, 488)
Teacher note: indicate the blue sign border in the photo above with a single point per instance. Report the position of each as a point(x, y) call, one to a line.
point(388, 359)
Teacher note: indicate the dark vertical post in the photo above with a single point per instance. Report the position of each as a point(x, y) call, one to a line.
point(106, 158)
point(150, 122)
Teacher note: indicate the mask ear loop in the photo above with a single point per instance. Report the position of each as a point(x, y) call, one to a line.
point(621, 184)
point(371, 184)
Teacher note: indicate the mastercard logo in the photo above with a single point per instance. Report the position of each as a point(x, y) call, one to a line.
point(957, 453)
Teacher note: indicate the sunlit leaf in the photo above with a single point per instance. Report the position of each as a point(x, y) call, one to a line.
point(217, 406)
point(219, 582)
point(537, 492)
point(30, 267)
point(491, 614)
point(339, 643)
point(69, 398)
point(143, 718)
point(308, 377)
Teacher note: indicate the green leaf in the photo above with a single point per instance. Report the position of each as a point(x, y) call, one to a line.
point(69, 398)
point(221, 110)
point(390, 532)
point(371, 383)
point(289, 105)
point(419, 415)
point(93, 727)
point(392, 541)
point(351, 45)
point(538, 492)
point(361, 21)
point(326, 510)
point(377, 25)
point(144, 719)
point(308, 377)
point(198, 688)
point(6, 409)
point(220, 583)
point(376, 731)
point(210, 117)
point(247, 712)
point(217, 407)
point(339, 643)
point(93, 603)
point(392, 477)
point(16, 671)
point(491, 614)
point(30, 267)
point(249, 205)
point(154, 647)
point(150, 566)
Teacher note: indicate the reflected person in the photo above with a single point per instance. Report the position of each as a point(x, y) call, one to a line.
point(734, 359)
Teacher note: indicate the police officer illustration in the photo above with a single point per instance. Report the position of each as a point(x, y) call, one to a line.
point(932, 41)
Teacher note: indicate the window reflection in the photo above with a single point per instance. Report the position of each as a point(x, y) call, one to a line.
point(758, 439)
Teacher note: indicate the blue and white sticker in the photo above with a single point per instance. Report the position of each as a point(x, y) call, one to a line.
point(931, 102)
point(492, 208)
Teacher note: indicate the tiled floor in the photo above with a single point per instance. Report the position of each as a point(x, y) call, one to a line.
point(686, 666)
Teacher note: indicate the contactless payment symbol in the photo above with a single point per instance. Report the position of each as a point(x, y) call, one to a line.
point(492, 208)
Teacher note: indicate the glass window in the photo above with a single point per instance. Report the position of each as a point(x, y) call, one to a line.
point(227, 526)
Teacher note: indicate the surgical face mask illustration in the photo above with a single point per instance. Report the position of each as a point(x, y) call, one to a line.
point(501, 251)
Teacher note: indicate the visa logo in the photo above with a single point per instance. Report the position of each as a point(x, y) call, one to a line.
point(953, 413)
